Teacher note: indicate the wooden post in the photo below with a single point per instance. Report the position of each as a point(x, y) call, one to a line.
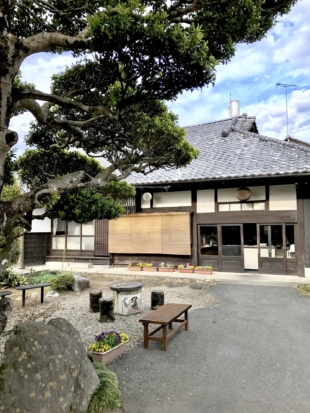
point(157, 299)
point(106, 309)
point(94, 297)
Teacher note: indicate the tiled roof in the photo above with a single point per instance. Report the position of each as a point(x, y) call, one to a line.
point(228, 150)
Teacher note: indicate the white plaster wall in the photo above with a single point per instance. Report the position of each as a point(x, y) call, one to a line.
point(39, 225)
point(172, 199)
point(145, 204)
point(205, 200)
point(282, 197)
point(229, 194)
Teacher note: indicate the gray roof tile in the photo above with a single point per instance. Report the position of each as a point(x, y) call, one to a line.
point(239, 154)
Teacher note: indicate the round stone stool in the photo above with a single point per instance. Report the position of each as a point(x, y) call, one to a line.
point(157, 299)
point(127, 298)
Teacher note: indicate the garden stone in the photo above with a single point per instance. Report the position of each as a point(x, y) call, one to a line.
point(52, 294)
point(46, 369)
point(80, 283)
point(6, 307)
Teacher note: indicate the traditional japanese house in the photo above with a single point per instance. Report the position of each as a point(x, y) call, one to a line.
point(243, 205)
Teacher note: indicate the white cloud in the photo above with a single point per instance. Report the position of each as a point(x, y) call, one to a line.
point(39, 69)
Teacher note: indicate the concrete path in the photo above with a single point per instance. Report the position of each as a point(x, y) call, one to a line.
point(250, 354)
point(222, 277)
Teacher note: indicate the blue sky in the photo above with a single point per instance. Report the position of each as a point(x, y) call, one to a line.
point(251, 77)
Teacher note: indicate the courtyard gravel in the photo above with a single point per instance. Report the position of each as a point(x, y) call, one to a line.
point(75, 306)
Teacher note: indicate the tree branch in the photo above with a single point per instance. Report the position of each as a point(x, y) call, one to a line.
point(45, 41)
point(67, 103)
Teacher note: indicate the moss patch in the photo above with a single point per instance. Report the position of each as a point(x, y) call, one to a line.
point(107, 395)
point(304, 289)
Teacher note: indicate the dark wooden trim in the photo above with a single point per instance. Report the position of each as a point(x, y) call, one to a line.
point(248, 217)
point(267, 198)
point(168, 209)
point(194, 231)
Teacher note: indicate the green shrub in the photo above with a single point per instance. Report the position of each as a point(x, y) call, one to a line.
point(8, 279)
point(107, 395)
point(44, 277)
point(62, 282)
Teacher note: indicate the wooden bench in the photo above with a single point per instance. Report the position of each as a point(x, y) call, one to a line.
point(23, 288)
point(165, 316)
point(3, 294)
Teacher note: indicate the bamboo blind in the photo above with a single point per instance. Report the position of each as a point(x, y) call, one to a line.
point(162, 233)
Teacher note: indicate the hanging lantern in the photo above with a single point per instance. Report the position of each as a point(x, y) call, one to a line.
point(243, 194)
point(147, 196)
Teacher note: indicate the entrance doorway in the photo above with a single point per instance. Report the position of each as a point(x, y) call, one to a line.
point(277, 248)
point(222, 247)
point(267, 248)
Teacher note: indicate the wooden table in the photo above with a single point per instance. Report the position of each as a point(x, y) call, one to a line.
point(165, 316)
point(30, 287)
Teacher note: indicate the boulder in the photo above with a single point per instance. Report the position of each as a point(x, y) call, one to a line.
point(80, 283)
point(46, 369)
point(6, 307)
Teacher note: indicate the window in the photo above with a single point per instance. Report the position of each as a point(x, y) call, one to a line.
point(246, 206)
point(73, 236)
point(208, 240)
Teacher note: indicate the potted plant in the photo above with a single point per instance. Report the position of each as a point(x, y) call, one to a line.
point(166, 266)
point(148, 266)
point(201, 269)
point(135, 266)
point(108, 346)
point(186, 268)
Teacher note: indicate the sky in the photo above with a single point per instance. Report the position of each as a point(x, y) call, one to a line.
point(251, 77)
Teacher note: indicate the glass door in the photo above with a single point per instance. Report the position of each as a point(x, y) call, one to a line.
point(231, 248)
point(208, 249)
point(277, 249)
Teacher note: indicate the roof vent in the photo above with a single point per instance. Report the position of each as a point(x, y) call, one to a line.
point(234, 108)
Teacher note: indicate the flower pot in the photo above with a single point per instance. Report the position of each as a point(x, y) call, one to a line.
point(207, 272)
point(135, 268)
point(186, 270)
point(110, 355)
point(165, 269)
point(149, 268)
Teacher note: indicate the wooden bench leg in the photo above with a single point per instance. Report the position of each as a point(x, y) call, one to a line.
point(42, 295)
point(146, 335)
point(23, 298)
point(170, 325)
point(186, 318)
point(165, 341)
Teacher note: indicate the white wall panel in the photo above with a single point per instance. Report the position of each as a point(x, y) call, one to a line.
point(39, 225)
point(229, 194)
point(205, 200)
point(172, 199)
point(282, 198)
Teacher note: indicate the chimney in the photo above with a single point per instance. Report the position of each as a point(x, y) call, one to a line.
point(234, 108)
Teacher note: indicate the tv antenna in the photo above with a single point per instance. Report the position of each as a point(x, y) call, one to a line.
point(286, 86)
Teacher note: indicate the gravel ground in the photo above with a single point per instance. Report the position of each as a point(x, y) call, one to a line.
point(75, 306)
